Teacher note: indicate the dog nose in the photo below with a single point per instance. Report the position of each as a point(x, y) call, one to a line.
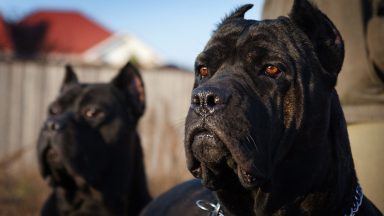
point(207, 100)
point(53, 125)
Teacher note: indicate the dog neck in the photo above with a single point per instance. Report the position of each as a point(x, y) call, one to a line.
point(127, 194)
point(325, 187)
point(131, 189)
point(138, 193)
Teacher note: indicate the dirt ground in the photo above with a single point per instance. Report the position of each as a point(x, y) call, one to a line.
point(21, 192)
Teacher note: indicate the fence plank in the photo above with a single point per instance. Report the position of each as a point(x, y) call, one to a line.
point(16, 103)
point(4, 108)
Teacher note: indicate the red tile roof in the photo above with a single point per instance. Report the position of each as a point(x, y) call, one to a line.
point(69, 32)
point(5, 42)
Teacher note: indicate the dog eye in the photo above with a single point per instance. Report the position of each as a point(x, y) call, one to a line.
point(272, 71)
point(93, 112)
point(203, 71)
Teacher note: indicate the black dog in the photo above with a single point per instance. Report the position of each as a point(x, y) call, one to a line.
point(265, 130)
point(89, 149)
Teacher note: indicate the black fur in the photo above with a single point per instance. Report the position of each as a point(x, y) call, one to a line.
point(272, 144)
point(181, 200)
point(89, 150)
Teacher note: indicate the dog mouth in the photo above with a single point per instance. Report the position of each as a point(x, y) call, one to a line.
point(207, 147)
point(53, 158)
point(55, 170)
point(213, 163)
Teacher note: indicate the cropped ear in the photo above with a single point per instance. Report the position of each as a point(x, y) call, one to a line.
point(238, 13)
point(130, 82)
point(70, 78)
point(326, 39)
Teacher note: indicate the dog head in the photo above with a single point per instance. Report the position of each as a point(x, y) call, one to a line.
point(261, 87)
point(87, 127)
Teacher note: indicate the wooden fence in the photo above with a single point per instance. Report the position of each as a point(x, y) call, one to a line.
point(26, 89)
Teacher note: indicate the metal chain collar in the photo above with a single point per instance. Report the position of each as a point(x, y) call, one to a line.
point(215, 209)
point(357, 200)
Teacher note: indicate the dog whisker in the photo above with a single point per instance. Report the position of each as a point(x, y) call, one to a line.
point(247, 148)
point(254, 143)
point(179, 123)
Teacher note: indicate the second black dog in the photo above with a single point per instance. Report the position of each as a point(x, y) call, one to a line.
point(89, 149)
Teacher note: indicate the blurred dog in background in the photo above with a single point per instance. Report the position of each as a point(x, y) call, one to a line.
point(89, 149)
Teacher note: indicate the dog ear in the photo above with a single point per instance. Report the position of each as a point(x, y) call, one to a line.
point(323, 34)
point(237, 13)
point(70, 78)
point(130, 82)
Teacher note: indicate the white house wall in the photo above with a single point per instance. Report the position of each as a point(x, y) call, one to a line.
point(118, 49)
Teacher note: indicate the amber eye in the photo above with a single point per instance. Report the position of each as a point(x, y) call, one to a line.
point(92, 112)
point(272, 71)
point(203, 71)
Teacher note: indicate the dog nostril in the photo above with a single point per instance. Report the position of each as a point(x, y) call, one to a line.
point(211, 100)
point(195, 100)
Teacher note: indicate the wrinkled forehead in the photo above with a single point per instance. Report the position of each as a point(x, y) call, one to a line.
point(272, 35)
point(266, 32)
point(226, 34)
point(87, 93)
point(70, 95)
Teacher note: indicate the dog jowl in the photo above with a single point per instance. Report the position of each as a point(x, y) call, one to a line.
point(265, 128)
point(89, 150)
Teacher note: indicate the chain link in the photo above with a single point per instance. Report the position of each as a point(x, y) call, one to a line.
point(213, 209)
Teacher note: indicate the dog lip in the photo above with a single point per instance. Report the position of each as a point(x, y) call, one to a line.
point(202, 135)
point(52, 155)
point(52, 160)
point(249, 179)
point(209, 179)
point(195, 130)
point(200, 129)
point(208, 148)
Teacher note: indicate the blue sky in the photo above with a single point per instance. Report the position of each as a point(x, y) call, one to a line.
point(177, 30)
